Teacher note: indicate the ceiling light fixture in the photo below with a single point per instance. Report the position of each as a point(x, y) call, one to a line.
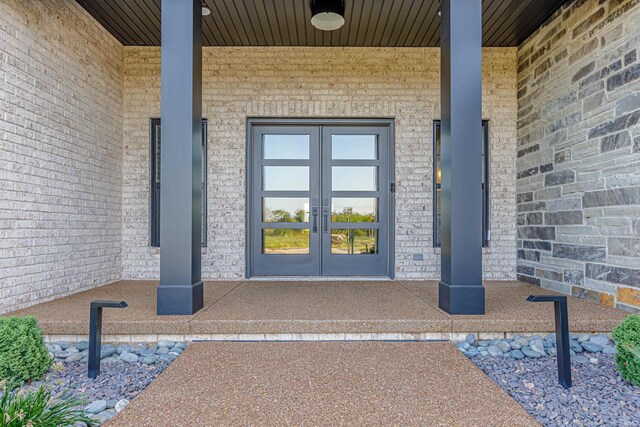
point(327, 15)
point(205, 10)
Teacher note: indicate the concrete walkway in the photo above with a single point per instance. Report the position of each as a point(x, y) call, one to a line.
point(322, 383)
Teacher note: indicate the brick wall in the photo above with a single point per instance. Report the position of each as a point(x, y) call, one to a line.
point(318, 82)
point(60, 152)
point(578, 186)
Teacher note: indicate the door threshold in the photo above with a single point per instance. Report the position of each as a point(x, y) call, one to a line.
point(320, 278)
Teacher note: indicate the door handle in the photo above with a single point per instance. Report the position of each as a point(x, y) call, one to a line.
point(315, 219)
point(325, 220)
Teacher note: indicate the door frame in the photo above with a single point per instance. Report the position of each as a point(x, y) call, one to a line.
point(311, 121)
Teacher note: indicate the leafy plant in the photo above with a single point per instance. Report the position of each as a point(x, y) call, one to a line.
point(23, 355)
point(38, 409)
point(627, 338)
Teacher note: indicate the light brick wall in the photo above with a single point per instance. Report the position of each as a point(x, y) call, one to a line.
point(60, 152)
point(318, 82)
point(579, 153)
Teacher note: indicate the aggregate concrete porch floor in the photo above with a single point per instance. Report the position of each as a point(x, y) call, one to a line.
point(321, 383)
point(316, 307)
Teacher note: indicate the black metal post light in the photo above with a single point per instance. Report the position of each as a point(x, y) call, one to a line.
point(327, 15)
point(562, 335)
point(95, 333)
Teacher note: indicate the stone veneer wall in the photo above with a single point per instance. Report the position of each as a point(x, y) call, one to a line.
point(318, 82)
point(578, 186)
point(60, 152)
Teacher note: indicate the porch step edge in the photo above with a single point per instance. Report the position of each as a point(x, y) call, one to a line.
point(428, 336)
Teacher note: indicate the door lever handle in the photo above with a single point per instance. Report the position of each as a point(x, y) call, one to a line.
point(325, 220)
point(315, 220)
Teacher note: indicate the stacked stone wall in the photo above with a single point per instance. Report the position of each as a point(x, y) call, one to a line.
point(578, 158)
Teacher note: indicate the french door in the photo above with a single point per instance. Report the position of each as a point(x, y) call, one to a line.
point(320, 200)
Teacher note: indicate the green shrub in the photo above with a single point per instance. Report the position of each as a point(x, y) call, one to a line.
point(23, 355)
point(38, 409)
point(627, 338)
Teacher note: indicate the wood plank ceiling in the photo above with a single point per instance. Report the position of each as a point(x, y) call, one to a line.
point(395, 23)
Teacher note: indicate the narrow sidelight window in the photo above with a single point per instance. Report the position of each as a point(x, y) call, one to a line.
point(155, 183)
point(437, 176)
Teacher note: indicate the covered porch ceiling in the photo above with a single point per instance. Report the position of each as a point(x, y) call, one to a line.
point(369, 23)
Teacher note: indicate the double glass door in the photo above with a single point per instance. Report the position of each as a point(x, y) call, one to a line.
point(320, 200)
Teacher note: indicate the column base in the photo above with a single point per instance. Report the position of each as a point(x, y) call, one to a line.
point(461, 299)
point(180, 300)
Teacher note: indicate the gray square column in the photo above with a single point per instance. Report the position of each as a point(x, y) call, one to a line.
point(461, 290)
point(180, 290)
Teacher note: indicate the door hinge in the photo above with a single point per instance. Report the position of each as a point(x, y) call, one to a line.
point(392, 187)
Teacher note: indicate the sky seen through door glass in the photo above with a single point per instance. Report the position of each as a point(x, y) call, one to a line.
point(296, 178)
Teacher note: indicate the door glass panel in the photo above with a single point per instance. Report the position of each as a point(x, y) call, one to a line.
point(285, 241)
point(285, 147)
point(361, 147)
point(354, 242)
point(285, 209)
point(354, 209)
point(285, 178)
point(438, 186)
point(158, 148)
point(354, 178)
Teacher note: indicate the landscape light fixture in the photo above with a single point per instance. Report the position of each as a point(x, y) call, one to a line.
point(327, 15)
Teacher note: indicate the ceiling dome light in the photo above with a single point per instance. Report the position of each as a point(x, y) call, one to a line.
point(327, 15)
point(205, 10)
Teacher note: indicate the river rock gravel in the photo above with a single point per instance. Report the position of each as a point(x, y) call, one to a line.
point(599, 396)
point(126, 370)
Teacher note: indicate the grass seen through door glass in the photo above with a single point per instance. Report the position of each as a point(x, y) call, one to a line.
point(285, 241)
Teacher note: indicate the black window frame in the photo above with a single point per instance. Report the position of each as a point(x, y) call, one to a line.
point(154, 201)
point(486, 234)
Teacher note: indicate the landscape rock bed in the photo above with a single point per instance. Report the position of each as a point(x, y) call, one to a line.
point(599, 395)
point(534, 347)
point(126, 370)
point(525, 367)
